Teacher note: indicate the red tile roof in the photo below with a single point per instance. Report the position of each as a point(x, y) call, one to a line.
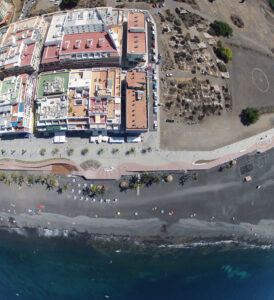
point(27, 55)
point(50, 54)
point(136, 20)
point(86, 42)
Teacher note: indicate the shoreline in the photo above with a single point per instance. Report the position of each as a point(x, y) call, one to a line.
point(186, 233)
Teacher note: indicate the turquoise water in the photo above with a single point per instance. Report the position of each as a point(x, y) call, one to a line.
point(38, 268)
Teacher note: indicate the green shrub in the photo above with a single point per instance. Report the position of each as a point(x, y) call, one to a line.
point(68, 4)
point(223, 53)
point(250, 115)
point(177, 22)
point(222, 29)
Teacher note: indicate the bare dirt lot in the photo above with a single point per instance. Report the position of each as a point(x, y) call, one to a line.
point(257, 16)
point(252, 84)
point(43, 7)
point(252, 80)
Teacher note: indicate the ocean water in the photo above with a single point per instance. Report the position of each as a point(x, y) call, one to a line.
point(43, 268)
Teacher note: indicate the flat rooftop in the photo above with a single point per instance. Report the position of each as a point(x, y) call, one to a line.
point(106, 82)
point(136, 110)
point(136, 79)
point(136, 20)
point(136, 42)
point(9, 90)
point(87, 42)
point(52, 84)
point(78, 93)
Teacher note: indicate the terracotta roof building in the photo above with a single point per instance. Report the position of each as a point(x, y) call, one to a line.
point(136, 36)
point(136, 102)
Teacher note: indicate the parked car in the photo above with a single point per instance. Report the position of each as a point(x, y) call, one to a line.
point(155, 103)
point(154, 71)
point(155, 109)
point(155, 124)
point(154, 86)
point(153, 44)
point(169, 74)
point(154, 95)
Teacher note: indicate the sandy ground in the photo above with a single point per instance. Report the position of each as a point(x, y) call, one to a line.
point(18, 4)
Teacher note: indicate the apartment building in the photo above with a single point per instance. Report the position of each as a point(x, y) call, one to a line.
point(21, 46)
point(16, 100)
point(136, 37)
point(93, 37)
point(136, 102)
point(79, 100)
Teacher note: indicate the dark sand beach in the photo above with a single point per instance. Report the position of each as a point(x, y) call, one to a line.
point(219, 204)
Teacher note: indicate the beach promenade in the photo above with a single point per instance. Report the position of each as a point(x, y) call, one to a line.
point(146, 157)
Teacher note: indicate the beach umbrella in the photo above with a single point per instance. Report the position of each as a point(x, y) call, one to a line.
point(124, 184)
point(169, 178)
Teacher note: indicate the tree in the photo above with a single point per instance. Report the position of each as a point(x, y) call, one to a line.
point(221, 29)
point(177, 22)
point(250, 115)
point(42, 152)
point(54, 151)
point(84, 151)
point(223, 53)
point(14, 177)
point(114, 150)
point(2, 176)
point(100, 151)
point(68, 4)
point(148, 179)
point(52, 182)
point(30, 179)
point(97, 189)
point(70, 151)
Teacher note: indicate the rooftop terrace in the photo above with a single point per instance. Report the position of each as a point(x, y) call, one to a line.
point(52, 84)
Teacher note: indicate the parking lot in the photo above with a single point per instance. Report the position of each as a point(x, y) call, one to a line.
point(152, 75)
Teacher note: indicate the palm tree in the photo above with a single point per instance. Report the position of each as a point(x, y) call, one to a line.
point(54, 151)
point(14, 177)
point(52, 182)
point(42, 152)
point(30, 179)
point(70, 151)
point(65, 187)
point(114, 150)
point(20, 180)
point(84, 151)
point(100, 151)
point(2, 176)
